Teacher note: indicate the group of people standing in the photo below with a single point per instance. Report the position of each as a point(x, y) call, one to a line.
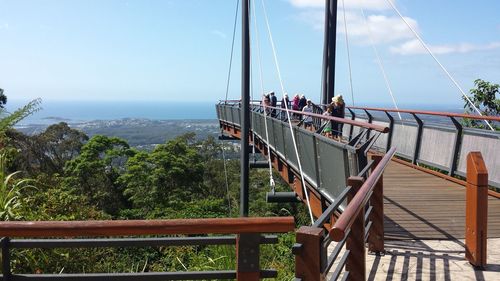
point(336, 108)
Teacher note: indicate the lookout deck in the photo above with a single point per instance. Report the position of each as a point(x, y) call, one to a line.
point(419, 205)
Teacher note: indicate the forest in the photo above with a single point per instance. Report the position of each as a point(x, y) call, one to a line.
point(62, 174)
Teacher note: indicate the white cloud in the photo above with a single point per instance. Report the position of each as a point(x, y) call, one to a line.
point(219, 33)
point(413, 47)
point(381, 28)
point(349, 4)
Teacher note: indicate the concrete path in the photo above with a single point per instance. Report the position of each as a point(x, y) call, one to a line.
point(430, 260)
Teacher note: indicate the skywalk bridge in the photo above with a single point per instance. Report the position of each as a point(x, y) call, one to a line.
point(421, 198)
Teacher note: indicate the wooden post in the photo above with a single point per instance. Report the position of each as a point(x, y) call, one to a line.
point(308, 254)
point(476, 217)
point(356, 262)
point(247, 256)
point(376, 237)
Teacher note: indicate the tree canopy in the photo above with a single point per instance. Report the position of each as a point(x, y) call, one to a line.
point(484, 97)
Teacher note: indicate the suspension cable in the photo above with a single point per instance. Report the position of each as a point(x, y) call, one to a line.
point(348, 52)
point(227, 92)
point(271, 178)
point(380, 64)
point(287, 111)
point(232, 49)
point(439, 63)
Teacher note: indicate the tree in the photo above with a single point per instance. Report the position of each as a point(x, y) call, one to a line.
point(3, 99)
point(484, 97)
point(171, 174)
point(95, 171)
point(48, 151)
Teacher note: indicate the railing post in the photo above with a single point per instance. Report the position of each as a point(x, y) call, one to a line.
point(351, 129)
point(309, 253)
point(476, 212)
point(355, 243)
point(456, 146)
point(391, 131)
point(418, 139)
point(247, 256)
point(370, 121)
point(376, 236)
point(6, 259)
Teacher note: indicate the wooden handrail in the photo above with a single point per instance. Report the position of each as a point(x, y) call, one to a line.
point(365, 125)
point(358, 203)
point(425, 112)
point(147, 227)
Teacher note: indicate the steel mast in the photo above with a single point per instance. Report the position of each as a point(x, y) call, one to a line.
point(245, 109)
point(328, 85)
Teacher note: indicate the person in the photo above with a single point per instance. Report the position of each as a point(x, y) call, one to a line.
point(308, 121)
point(338, 110)
point(285, 104)
point(267, 102)
point(295, 106)
point(302, 102)
point(274, 102)
point(327, 129)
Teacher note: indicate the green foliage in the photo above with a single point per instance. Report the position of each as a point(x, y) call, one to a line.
point(170, 175)
point(484, 97)
point(48, 151)
point(10, 188)
point(95, 171)
point(11, 119)
point(106, 179)
point(3, 99)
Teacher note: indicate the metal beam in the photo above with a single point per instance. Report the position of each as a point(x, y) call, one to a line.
point(245, 108)
point(332, 46)
point(329, 50)
point(324, 88)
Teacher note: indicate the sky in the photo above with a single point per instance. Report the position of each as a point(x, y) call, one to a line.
point(179, 50)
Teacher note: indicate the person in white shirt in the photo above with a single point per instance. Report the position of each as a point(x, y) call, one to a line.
point(308, 121)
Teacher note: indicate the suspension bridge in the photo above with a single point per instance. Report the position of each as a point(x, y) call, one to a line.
point(412, 188)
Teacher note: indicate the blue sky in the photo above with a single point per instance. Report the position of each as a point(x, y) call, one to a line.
point(179, 49)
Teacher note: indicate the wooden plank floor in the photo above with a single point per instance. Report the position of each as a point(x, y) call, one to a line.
point(418, 205)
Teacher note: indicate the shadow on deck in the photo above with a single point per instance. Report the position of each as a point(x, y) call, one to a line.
point(418, 206)
point(430, 260)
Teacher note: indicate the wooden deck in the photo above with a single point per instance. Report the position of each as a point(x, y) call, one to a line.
point(419, 205)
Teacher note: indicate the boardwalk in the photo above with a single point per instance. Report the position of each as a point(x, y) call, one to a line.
point(424, 230)
point(420, 206)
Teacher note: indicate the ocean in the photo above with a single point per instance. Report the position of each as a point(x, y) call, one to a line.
point(84, 111)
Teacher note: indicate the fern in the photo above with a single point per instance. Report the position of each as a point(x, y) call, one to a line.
point(11, 119)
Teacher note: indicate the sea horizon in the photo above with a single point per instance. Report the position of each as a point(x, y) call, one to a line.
point(84, 111)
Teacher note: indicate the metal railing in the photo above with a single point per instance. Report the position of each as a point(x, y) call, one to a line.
point(435, 139)
point(247, 240)
point(326, 163)
point(360, 222)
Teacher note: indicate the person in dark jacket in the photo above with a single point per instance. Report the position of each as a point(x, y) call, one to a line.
point(274, 102)
point(285, 103)
point(302, 102)
point(338, 111)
